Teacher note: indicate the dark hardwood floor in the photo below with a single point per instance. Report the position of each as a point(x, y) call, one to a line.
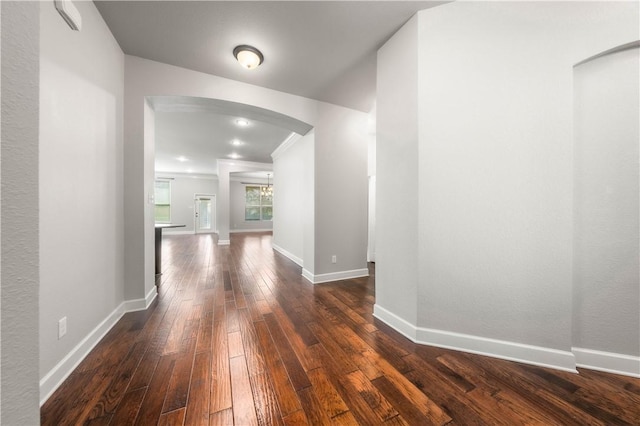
point(237, 336)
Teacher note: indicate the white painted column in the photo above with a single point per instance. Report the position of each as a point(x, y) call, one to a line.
point(223, 203)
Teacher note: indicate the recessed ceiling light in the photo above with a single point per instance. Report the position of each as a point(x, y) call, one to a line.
point(182, 158)
point(234, 156)
point(248, 56)
point(236, 142)
point(242, 122)
point(189, 170)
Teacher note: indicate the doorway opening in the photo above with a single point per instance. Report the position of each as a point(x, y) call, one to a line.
point(204, 214)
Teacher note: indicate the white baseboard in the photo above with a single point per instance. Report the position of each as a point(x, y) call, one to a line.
point(512, 351)
point(58, 374)
point(54, 378)
point(608, 362)
point(308, 275)
point(287, 254)
point(401, 325)
point(150, 297)
point(334, 276)
point(224, 242)
point(238, 231)
point(141, 304)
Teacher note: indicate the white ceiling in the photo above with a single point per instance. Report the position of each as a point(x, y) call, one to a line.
point(191, 134)
point(324, 50)
point(204, 137)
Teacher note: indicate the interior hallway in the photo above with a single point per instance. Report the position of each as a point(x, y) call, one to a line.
point(237, 336)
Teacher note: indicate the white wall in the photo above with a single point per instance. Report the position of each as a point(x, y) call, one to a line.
point(226, 170)
point(397, 175)
point(293, 199)
point(495, 183)
point(606, 210)
point(236, 208)
point(309, 207)
point(371, 165)
point(147, 214)
point(340, 136)
point(20, 33)
point(183, 190)
point(341, 188)
point(81, 187)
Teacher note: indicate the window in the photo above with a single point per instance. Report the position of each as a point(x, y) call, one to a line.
point(163, 201)
point(256, 205)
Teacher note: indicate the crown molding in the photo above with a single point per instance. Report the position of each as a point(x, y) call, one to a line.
point(288, 143)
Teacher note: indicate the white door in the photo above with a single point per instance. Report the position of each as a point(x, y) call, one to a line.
point(205, 213)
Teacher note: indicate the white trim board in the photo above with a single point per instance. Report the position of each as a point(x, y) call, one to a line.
point(54, 378)
point(239, 231)
point(334, 276)
point(608, 362)
point(58, 374)
point(511, 351)
point(288, 143)
point(288, 255)
point(149, 298)
point(224, 242)
point(401, 325)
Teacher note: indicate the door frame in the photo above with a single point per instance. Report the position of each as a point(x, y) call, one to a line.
point(196, 198)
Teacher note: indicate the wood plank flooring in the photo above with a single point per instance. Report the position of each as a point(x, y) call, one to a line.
point(237, 336)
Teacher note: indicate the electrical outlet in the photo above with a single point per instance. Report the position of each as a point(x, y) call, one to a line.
point(334, 259)
point(62, 327)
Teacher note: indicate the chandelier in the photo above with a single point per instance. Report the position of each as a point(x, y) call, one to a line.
point(267, 191)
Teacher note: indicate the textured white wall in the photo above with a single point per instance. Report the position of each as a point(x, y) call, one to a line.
point(495, 173)
point(495, 181)
point(81, 188)
point(20, 32)
point(1, 360)
point(397, 174)
point(606, 210)
point(496, 154)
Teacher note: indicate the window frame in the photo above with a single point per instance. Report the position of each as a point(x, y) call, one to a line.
point(260, 206)
point(155, 199)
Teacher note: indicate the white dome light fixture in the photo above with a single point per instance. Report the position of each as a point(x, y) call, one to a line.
point(248, 56)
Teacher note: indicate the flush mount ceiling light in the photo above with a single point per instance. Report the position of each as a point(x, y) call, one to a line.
point(242, 122)
point(236, 142)
point(248, 56)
